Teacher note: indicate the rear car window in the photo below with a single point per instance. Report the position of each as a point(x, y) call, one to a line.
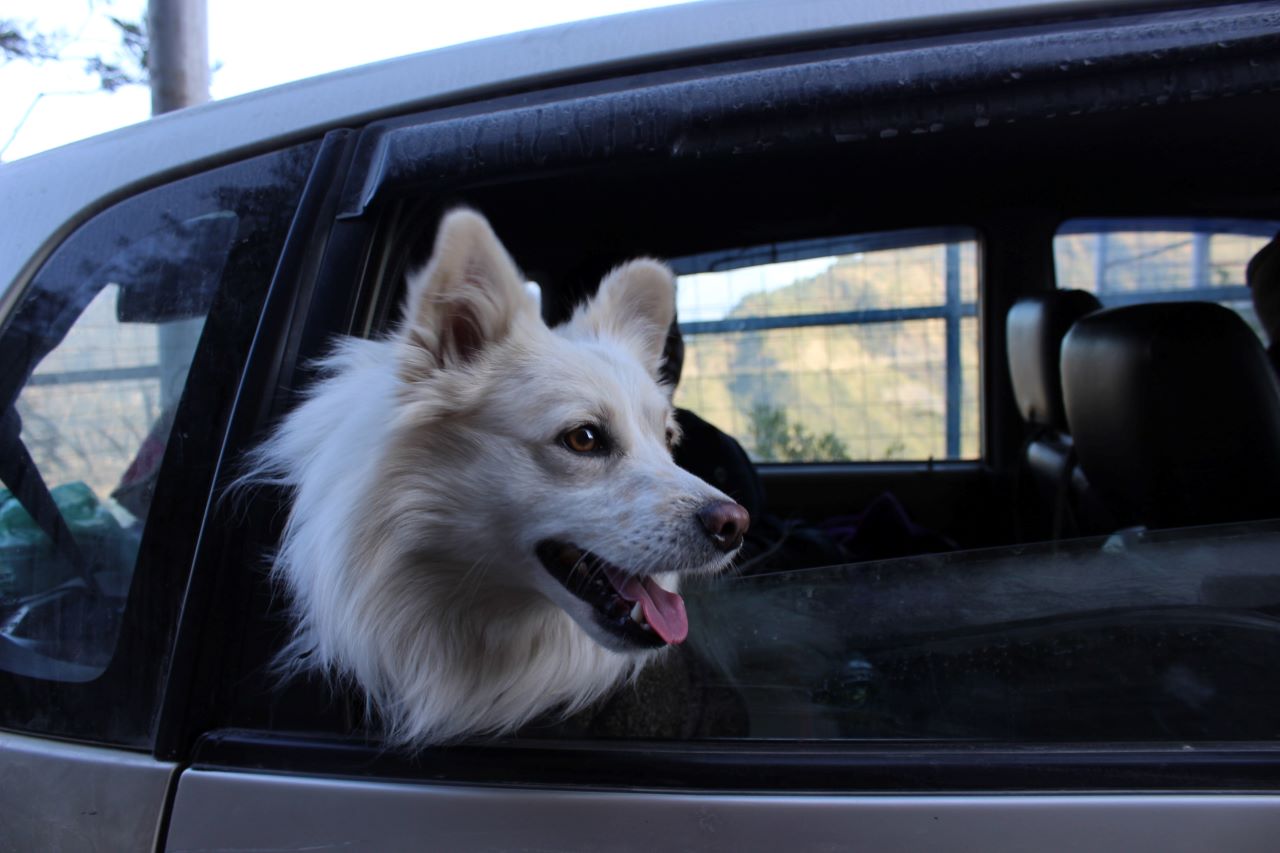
point(1133, 261)
point(862, 348)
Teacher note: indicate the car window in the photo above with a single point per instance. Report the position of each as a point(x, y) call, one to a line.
point(850, 349)
point(95, 417)
point(96, 360)
point(1130, 261)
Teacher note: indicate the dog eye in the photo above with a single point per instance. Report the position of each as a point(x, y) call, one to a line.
point(584, 439)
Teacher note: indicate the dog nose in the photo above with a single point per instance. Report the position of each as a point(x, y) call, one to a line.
point(725, 522)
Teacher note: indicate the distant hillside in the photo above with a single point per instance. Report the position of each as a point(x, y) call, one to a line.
point(878, 389)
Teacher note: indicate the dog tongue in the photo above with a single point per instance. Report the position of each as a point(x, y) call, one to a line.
point(663, 610)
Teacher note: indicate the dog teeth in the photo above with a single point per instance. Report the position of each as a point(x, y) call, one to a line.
point(637, 616)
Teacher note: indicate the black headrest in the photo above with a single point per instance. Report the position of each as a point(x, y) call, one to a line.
point(1035, 328)
point(1175, 412)
point(1263, 277)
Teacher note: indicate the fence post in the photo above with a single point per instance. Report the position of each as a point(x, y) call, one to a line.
point(178, 65)
point(1100, 261)
point(1199, 261)
point(954, 374)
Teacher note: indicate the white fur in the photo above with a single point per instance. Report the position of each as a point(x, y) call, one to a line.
point(425, 466)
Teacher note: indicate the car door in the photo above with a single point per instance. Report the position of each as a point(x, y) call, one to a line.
point(1108, 693)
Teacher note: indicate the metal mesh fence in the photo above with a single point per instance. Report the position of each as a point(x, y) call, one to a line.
point(1123, 265)
point(93, 401)
point(829, 391)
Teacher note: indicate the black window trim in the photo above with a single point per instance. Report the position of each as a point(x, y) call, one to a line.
point(301, 310)
point(756, 766)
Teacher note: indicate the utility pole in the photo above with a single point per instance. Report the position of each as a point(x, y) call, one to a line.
point(178, 66)
point(178, 34)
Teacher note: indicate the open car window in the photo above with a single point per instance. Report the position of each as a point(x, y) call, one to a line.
point(855, 349)
point(1130, 261)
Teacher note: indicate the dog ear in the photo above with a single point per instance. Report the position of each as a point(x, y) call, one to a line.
point(467, 296)
point(635, 303)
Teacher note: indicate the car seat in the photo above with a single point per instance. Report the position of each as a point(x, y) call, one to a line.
point(1175, 412)
point(1035, 327)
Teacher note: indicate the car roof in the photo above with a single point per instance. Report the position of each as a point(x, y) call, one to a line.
point(39, 210)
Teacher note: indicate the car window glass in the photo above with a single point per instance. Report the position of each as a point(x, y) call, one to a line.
point(1142, 636)
point(1130, 261)
point(850, 349)
point(1158, 635)
point(97, 356)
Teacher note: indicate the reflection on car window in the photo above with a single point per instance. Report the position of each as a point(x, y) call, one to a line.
point(1141, 637)
point(96, 358)
point(860, 348)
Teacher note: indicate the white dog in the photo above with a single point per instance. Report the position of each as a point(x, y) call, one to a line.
point(487, 524)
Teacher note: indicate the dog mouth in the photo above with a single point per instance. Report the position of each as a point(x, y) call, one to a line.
point(634, 608)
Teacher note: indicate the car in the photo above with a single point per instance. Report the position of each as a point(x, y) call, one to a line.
point(966, 279)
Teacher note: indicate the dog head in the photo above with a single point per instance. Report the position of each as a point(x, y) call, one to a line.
point(537, 461)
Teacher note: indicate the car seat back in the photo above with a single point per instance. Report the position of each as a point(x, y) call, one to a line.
point(1035, 327)
point(1175, 413)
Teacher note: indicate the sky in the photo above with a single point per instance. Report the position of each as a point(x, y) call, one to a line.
point(253, 44)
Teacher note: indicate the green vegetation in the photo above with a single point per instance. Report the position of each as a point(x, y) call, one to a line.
point(776, 440)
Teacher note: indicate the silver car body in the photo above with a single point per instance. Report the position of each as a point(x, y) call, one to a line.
point(59, 795)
